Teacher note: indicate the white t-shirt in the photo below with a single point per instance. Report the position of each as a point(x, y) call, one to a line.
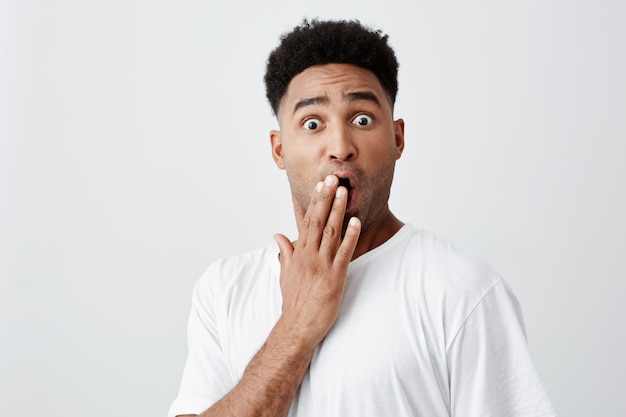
point(424, 331)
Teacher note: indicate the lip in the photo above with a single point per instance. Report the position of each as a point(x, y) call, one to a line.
point(354, 186)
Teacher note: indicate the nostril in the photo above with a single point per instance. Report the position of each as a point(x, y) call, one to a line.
point(345, 158)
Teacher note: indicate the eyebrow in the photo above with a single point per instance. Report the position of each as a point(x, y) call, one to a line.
point(310, 102)
point(356, 95)
point(362, 95)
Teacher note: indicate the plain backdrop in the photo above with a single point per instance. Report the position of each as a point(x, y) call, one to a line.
point(134, 151)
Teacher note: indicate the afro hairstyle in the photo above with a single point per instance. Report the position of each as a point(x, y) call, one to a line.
point(329, 42)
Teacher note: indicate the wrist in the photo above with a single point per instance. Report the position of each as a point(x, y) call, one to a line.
point(293, 339)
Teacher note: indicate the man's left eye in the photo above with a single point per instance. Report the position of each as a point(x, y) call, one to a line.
point(362, 120)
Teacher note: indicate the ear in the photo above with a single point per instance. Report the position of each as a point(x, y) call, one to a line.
point(399, 132)
point(276, 141)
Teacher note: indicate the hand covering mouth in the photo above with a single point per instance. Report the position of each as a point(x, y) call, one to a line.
point(349, 182)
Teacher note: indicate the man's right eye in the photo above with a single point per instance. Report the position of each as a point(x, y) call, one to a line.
point(312, 124)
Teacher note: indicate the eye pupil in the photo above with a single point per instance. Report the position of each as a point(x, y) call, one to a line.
point(311, 124)
point(363, 121)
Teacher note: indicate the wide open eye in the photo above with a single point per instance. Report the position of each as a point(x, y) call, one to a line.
point(312, 124)
point(362, 120)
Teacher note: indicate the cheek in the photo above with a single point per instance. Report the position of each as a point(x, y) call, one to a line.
point(382, 155)
point(301, 161)
point(300, 176)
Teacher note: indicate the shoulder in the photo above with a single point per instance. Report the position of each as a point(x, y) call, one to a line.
point(452, 282)
point(240, 271)
point(446, 266)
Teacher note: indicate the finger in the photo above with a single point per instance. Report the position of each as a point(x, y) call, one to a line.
point(332, 230)
point(348, 244)
point(318, 214)
point(284, 246)
point(303, 225)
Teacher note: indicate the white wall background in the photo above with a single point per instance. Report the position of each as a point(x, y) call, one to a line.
point(134, 151)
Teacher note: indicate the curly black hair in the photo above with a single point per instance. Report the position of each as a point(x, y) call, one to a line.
point(329, 42)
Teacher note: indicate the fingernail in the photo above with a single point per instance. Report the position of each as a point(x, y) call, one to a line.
point(318, 186)
point(329, 180)
point(340, 192)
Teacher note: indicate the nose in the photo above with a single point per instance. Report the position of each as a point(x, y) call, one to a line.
point(340, 145)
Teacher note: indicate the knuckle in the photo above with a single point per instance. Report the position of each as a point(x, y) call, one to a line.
point(305, 221)
point(330, 231)
point(314, 223)
point(342, 253)
point(338, 207)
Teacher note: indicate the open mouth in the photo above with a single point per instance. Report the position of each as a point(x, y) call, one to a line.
point(347, 184)
point(344, 182)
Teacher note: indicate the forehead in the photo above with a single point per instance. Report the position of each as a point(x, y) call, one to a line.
point(332, 81)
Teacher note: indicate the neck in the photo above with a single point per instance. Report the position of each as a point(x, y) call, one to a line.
point(377, 233)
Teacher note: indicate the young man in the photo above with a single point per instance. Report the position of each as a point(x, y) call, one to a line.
point(361, 315)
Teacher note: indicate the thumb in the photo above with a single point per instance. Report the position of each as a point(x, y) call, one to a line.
point(284, 245)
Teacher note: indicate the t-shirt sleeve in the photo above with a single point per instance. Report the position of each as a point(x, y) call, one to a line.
point(491, 371)
point(205, 377)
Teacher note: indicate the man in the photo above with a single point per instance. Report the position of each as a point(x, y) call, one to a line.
point(361, 315)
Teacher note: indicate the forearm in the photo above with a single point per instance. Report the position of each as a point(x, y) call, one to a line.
point(270, 380)
point(312, 280)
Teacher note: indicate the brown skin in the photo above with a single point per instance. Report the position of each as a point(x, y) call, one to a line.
point(325, 95)
point(332, 132)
